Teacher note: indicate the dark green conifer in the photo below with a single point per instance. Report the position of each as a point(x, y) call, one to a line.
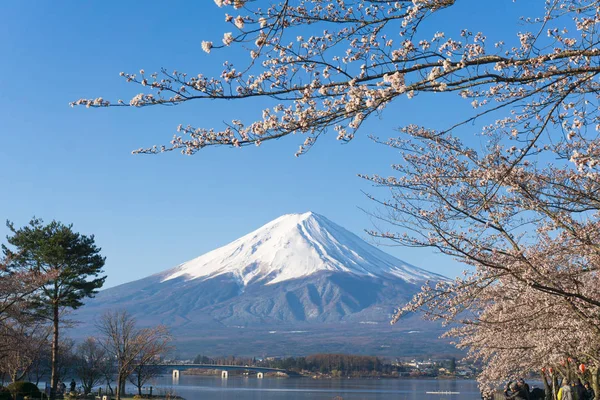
point(72, 261)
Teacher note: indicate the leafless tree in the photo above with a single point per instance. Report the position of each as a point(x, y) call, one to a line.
point(146, 364)
point(40, 368)
point(129, 346)
point(154, 344)
point(108, 370)
point(90, 361)
point(20, 332)
point(23, 347)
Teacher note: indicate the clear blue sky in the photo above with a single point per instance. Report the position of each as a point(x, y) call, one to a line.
point(150, 213)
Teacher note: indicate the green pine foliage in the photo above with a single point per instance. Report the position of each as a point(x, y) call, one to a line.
point(56, 248)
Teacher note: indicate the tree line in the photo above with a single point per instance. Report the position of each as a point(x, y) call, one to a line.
point(324, 363)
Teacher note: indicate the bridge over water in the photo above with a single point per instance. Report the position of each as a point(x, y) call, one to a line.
point(260, 371)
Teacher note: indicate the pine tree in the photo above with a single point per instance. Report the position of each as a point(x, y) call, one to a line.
point(73, 258)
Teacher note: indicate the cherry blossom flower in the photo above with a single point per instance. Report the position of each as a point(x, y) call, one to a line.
point(227, 38)
point(206, 46)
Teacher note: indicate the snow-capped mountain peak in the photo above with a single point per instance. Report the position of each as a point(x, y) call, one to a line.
point(296, 246)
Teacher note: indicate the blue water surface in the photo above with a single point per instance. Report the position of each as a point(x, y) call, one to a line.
point(251, 388)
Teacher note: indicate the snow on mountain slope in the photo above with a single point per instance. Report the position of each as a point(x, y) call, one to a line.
point(296, 246)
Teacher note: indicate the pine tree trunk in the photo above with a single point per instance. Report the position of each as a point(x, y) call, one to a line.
point(54, 361)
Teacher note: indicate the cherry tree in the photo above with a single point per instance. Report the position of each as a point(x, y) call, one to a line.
point(22, 346)
point(513, 330)
point(529, 230)
point(16, 286)
point(520, 207)
point(19, 331)
point(331, 64)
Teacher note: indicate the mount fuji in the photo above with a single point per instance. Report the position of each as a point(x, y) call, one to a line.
point(298, 284)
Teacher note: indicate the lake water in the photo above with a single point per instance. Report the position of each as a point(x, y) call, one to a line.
point(251, 388)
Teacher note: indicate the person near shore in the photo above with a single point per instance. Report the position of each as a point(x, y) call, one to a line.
point(73, 385)
point(578, 390)
point(589, 392)
point(515, 392)
point(565, 392)
point(524, 388)
point(537, 394)
point(507, 388)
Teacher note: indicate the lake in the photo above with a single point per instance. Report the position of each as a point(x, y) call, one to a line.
point(250, 388)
